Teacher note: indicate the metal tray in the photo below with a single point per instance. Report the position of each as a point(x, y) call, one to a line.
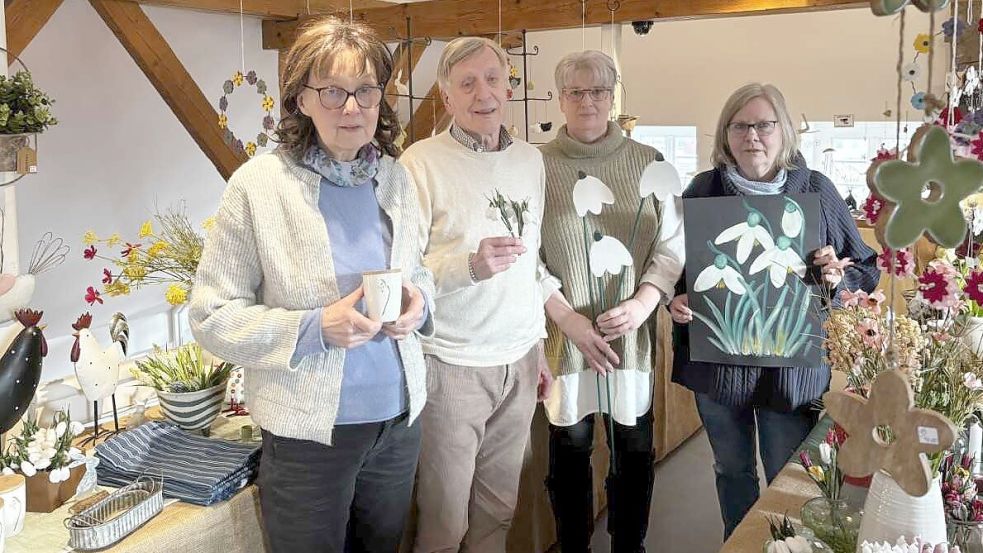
point(115, 517)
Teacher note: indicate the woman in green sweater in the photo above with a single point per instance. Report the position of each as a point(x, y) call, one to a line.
point(615, 343)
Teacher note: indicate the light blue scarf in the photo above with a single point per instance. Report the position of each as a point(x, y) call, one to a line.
point(353, 173)
point(755, 188)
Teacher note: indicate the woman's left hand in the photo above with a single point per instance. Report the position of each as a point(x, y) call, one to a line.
point(412, 316)
point(832, 267)
point(624, 318)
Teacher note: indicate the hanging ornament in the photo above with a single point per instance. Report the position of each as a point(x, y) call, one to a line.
point(514, 80)
point(514, 131)
point(891, 7)
point(267, 103)
point(541, 126)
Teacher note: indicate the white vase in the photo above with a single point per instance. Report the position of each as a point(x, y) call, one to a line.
point(13, 491)
point(889, 513)
point(973, 337)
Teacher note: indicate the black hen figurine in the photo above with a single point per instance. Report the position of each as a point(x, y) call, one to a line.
point(20, 368)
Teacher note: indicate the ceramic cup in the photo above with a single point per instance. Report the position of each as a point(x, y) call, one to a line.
point(383, 294)
point(13, 492)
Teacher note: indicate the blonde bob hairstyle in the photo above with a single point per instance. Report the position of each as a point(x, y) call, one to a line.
point(321, 48)
point(461, 49)
point(790, 137)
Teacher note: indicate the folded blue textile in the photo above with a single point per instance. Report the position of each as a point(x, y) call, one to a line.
point(196, 469)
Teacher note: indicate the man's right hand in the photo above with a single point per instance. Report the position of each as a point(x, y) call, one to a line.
point(597, 352)
point(343, 326)
point(495, 255)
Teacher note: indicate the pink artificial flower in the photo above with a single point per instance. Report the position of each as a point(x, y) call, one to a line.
point(974, 286)
point(872, 208)
point(904, 262)
point(852, 299)
point(937, 286)
point(107, 277)
point(870, 331)
point(977, 146)
point(873, 301)
point(89, 253)
point(92, 295)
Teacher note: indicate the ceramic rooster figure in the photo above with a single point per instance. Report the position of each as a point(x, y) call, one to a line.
point(20, 368)
point(97, 368)
point(16, 290)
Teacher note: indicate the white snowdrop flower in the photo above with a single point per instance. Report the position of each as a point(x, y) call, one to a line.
point(792, 219)
point(49, 452)
point(7, 471)
point(662, 179)
point(608, 255)
point(74, 452)
point(76, 428)
point(798, 544)
point(972, 381)
point(719, 274)
point(747, 235)
point(28, 469)
point(34, 456)
point(60, 429)
point(590, 194)
point(42, 463)
point(780, 260)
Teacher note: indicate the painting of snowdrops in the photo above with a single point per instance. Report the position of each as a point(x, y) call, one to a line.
point(746, 264)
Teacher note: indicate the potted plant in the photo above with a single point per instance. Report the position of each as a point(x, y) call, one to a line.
point(51, 465)
point(789, 538)
point(190, 389)
point(25, 110)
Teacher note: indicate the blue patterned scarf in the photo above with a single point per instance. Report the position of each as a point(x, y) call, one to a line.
point(755, 188)
point(353, 173)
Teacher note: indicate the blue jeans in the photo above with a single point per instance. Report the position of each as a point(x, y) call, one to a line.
point(731, 432)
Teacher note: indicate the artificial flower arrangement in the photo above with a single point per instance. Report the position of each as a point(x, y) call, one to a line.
point(825, 473)
point(785, 538)
point(508, 210)
point(38, 449)
point(960, 490)
point(168, 255)
point(180, 371)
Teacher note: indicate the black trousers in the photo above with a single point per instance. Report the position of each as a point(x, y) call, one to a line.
point(629, 489)
point(352, 497)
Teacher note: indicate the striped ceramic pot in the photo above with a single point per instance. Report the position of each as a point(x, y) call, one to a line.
point(192, 410)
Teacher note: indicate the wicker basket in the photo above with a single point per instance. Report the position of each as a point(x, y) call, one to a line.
point(115, 517)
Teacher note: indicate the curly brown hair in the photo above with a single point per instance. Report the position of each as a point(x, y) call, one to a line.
point(317, 47)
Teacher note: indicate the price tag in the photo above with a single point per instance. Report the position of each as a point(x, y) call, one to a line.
point(928, 435)
point(27, 160)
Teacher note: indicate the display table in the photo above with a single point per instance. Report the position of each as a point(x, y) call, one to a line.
point(232, 525)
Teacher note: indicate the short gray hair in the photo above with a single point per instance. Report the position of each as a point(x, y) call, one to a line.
point(598, 64)
point(790, 136)
point(459, 50)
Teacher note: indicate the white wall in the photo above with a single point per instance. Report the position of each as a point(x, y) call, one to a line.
point(118, 151)
point(681, 73)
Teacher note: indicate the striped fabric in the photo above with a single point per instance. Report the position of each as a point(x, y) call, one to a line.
point(196, 469)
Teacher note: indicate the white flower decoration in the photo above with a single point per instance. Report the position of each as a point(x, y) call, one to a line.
point(7, 471)
point(28, 469)
point(826, 453)
point(662, 179)
point(42, 463)
point(76, 427)
point(972, 381)
point(590, 194)
point(911, 72)
point(608, 255)
point(60, 429)
point(780, 260)
point(747, 235)
point(971, 81)
point(719, 274)
point(59, 475)
point(792, 219)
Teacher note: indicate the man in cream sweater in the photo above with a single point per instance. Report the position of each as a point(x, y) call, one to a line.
point(485, 363)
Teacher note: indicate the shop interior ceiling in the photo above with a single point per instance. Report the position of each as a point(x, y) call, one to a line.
point(395, 20)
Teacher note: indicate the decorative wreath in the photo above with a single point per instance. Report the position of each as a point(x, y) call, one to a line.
point(223, 119)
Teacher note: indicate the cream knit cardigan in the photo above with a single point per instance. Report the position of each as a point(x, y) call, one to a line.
point(266, 262)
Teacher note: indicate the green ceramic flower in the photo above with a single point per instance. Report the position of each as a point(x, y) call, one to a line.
point(902, 183)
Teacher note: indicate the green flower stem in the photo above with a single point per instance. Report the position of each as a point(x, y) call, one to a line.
point(612, 467)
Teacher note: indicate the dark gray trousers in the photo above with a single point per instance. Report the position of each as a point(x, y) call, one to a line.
point(352, 497)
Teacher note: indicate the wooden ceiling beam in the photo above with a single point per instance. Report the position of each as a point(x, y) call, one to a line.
point(452, 18)
point(24, 19)
point(162, 67)
point(271, 9)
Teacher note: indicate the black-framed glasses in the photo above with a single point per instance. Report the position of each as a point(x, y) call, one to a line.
point(762, 128)
point(333, 97)
point(596, 94)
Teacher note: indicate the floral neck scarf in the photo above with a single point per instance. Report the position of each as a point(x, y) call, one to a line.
point(353, 173)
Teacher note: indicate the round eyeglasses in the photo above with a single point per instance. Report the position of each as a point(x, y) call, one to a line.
point(333, 97)
point(762, 128)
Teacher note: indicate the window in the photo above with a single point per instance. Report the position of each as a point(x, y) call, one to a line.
point(677, 144)
point(843, 153)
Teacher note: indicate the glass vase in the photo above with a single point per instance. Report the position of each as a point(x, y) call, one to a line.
point(967, 535)
point(834, 521)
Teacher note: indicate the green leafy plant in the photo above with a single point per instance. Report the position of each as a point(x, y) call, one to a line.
point(510, 210)
point(23, 107)
point(181, 370)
